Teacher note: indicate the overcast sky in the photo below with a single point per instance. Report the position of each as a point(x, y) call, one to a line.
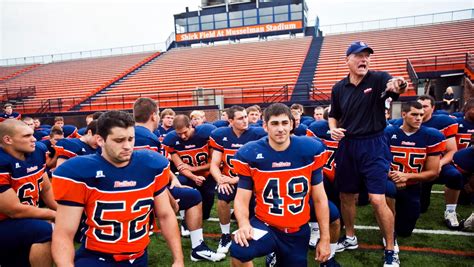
point(34, 27)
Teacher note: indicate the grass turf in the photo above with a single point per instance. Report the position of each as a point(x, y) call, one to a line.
point(159, 254)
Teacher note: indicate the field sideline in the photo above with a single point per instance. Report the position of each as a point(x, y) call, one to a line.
point(441, 248)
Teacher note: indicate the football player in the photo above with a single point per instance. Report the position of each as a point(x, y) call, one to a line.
point(117, 190)
point(282, 172)
point(25, 233)
point(145, 112)
point(189, 150)
point(416, 152)
point(225, 143)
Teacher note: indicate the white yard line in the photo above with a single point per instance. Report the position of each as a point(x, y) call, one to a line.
point(417, 231)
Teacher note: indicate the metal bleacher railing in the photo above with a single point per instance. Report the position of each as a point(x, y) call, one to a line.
point(399, 22)
point(125, 50)
point(173, 99)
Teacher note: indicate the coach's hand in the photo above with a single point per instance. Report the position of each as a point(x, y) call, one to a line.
point(337, 133)
point(323, 251)
point(396, 85)
point(244, 234)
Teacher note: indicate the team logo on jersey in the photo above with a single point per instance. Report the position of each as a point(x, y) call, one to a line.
point(461, 125)
point(237, 145)
point(408, 143)
point(124, 184)
point(189, 146)
point(224, 139)
point(83, 150)
point(99, 174)
point(177, 143)
point(31, 169)
point(259, 156)
point(280, 164)
point(394, 136)
point(368, 90)
point(17, 165)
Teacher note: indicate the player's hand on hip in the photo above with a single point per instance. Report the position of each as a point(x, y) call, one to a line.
point(244, 234)
point(323, 251)
point(337, 133)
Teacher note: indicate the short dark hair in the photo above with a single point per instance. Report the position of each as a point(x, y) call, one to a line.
point(143, 108)
point(406, 106)
point(254, 108)
point(427, 97)
point(469, 104)
point(326, 113)
point(277, 109)
point(181, 121)
point(96, 115)
point(58, 118)
point(232, 110)
point(56, 130)
point(92, 126)
point(297, 106)
point(111, 119)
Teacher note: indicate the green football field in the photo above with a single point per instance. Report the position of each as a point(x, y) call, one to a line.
point(420, 249)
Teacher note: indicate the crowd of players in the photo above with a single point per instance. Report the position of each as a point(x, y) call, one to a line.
point(114, 179)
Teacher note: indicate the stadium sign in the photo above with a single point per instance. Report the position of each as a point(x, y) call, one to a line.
point(254, 29)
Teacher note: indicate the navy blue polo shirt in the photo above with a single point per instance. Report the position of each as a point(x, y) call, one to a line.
point(360, 109)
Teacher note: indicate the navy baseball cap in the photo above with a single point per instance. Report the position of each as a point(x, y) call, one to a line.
point(357, 47)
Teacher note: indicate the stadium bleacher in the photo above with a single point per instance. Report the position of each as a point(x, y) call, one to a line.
point(10, 72)
point(392, 48)
point(239, 71)
point(73, 80)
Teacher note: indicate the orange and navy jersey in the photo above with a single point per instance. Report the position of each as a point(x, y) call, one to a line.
point(70, 131)
point(300, 130)
point(224, 140)
point(145, 139)
point(70, 148)
point(117, 202)
point(25, 177)
point(195, 150)
point(14, 115)
point(161, 133)
point(465, 131)
point(464, 160)
point(320, 129)
point(443, 123)
point(409, 152)
point(281, 180)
